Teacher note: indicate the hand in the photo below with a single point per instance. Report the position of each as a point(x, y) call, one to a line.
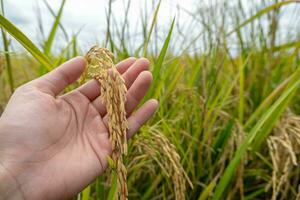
point(51, 146)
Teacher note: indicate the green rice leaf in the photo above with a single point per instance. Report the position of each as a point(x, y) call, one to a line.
point(158, 64)
point(86, 193)
point(25, 42)
point(7, 56)
point(262, 12)
point(265, 123)
point(151, 29)
point(113, 187)
point(49, 41)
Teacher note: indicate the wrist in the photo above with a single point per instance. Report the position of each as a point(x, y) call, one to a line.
point(9, 186)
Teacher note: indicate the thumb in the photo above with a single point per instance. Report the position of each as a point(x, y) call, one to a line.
point(57, 80)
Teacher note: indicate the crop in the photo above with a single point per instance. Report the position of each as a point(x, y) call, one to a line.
point(113, 90)
point(284, 152)
point(156, 147)
point(227, 80)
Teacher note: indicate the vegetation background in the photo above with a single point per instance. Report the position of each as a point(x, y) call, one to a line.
point(227, 81)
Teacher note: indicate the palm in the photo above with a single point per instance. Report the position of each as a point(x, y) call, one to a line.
point(66, 142)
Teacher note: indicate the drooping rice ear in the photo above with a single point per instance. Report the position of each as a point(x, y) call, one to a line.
point(113, 91)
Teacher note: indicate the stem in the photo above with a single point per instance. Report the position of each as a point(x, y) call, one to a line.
point(6, 53)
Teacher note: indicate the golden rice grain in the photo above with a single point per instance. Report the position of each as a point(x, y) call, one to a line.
point(113, 90)
point(158, 148)
point(284, 150)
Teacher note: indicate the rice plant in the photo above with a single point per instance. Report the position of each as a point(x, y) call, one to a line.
point(227, 81)
point(113, 93)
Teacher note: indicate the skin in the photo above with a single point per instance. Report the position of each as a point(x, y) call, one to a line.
point(52, 146)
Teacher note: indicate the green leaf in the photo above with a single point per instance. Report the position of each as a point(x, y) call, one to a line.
point(208, 189)
point(162, 54)
point(151, 29)
point(7, 56)
point(262, 12)
point(86, 193)
point(111, 163)
point(158, 64)
point(60, 25)
point(287, 45)
point(49, 41)
point(259, 131)
point(113, 187)
point(223, 137)
point(25, 42)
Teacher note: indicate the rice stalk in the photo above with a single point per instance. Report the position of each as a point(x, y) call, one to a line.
point(6, 45)
point(239, 136)
point(233, 143)
point(284, 150)
point(158, 148)
point(2, 63)
point(113, 90)
point(298, 195)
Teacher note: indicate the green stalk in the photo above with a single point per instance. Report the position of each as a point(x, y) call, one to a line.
point(25, 42)
point(62, 28)
point(50, 39)
point(241, 93)
point(262, 12)
point(85, 194)
point(151, 29)
point(159, 63)
point(257, 133)
point(7, 56)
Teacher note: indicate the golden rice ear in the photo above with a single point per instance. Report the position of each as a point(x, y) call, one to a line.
point(157, 146)
point(284, 150)
point(113, 91)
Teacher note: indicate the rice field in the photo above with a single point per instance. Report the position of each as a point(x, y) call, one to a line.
point(227, 80)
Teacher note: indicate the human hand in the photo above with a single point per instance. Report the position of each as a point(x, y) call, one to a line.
point(51, 146)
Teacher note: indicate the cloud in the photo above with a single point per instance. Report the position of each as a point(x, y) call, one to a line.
point(16, 13)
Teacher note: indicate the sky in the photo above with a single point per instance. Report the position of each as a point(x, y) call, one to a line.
point(87, 15)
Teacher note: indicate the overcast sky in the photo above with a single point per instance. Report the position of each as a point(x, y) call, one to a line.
point(90, 16)
point(86, 14)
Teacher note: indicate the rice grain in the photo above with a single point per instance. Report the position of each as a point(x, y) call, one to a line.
point(113, 91)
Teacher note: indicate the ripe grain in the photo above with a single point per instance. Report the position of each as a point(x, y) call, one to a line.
point(113, 90)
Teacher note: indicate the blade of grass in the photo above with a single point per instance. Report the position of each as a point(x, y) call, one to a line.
point(270, 123)
point(262, 12)
point(287, 46)
point(267, 101)
point(59, 24)
point(158, 64)
point(100, 188)
point(40, 23)
point(223, 137)
point(241, 93)
point(146, 43)
point(108, 14)
point(50, 39)
point(71, 44)
point(6, 53)
point(25, 42)
point(149, 191)
point(113, 187)
point(74, 46)
point(123, 31)
point(86, 193)
point(206, 192)
point(265, 122)
point(254, 194)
